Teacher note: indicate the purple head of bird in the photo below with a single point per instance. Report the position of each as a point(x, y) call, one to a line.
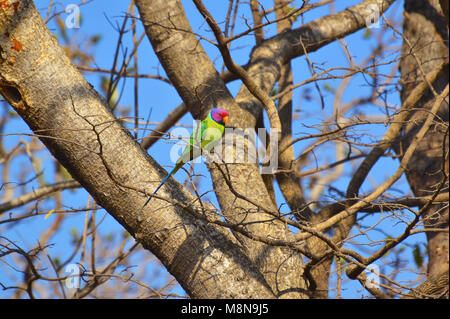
point(220, 116)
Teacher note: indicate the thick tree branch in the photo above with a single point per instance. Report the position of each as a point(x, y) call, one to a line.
point(393, 132)
point(172, 118)
point(436, 286)
point(267, 59)
point(251, 85)
point(65, 109)
point(201, 88)
point(425, 46)
point(353, 209)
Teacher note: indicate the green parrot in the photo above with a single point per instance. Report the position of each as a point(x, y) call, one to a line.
point(204, 137)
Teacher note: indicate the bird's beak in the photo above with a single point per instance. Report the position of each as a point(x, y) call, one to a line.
point(225, 119)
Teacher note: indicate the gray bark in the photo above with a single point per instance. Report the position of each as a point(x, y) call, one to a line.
point(198, 83)
point(425, 47)
point(76, 125)
point(78, 128)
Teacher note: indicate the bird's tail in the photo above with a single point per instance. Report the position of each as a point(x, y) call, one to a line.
point(173, 171)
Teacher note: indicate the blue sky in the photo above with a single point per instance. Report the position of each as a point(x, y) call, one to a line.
point(157, 98)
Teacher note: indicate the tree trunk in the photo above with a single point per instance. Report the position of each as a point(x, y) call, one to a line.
point(198, 83)
point(244, 258)
point(76, 125)
point(425, 46)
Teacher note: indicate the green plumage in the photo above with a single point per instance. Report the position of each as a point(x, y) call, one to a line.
point(204, 137)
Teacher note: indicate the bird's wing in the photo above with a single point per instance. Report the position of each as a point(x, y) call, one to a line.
point(211, 135)
point(193, 149)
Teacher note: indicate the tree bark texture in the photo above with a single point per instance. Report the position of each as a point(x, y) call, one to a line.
point(200, 86)
point(425, 47)
point(76, 125)
point(79, 129)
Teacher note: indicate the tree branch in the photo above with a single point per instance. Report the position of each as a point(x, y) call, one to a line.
point(37, 194)
point(50, 102)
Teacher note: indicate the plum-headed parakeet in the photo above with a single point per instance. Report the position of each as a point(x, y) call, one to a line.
point(204, 137)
